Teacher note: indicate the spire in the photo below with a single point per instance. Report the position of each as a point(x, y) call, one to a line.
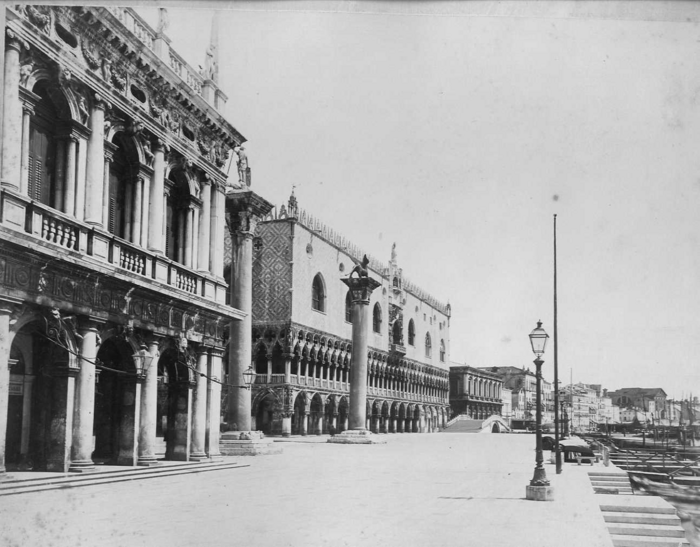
point(211, 61)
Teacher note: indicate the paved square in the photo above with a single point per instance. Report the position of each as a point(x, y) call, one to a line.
point(417, 490)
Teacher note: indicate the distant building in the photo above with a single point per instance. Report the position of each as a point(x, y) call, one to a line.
point(475, 392)
point(302, 335)
point(523, 384)
point(650, 402)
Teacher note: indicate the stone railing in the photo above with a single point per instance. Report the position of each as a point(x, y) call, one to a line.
point(133, 22)
point(52, 227)
point(186, 72)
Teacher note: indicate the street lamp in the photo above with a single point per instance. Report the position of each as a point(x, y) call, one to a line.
point(539, 488)
point(142, 360)
point(248, 378)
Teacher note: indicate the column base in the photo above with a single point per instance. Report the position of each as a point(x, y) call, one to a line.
point(82, 466)
point(214, 458)
point(539, 493)
point(147, 461)
point(199, 457)
point(356, 436)
point(247, 443)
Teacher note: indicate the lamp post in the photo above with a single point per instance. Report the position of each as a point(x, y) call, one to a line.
point(539, 488)
point(248, 378)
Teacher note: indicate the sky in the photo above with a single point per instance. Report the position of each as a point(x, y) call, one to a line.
point(460, 135)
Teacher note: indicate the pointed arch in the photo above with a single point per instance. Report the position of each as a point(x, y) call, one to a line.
point(318, 293)
point(377, 318)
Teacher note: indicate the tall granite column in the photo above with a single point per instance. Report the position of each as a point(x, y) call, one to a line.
point(84, 417)
point(361, 288)
point(149, 409)
point(244, 208)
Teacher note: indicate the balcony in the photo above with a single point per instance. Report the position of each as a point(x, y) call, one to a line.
point(397, 349)
point(58, 234)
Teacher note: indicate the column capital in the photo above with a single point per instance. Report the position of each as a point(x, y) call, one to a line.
point(14, 41)
point(100, 103)
point(245, 209)
point(361, 288)
point(160, 146)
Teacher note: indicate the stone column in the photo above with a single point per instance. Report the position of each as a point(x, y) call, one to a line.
point(84, 415)
point(157, 200)
point(245, 209)
point(188, 237)
point(146, 176)
point(149, 409)
point(69, 196)
point(5, 344)
point(199, 407)
point(319, 424)
point(11, 113)
point(195, 238)
point(304, 424)
point(95, 163)
point(214, 425)
point(286, 424)
point(81, 179)
point(205, 228)
point(27, 111)
point(137, 213)
point(360, 290)
point(218, 224)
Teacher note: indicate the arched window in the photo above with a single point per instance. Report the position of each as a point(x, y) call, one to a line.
point(428, 345)
point(177, 215)
point(42, 153)
point(377, 318)
point(442, 351)
point(396, 282)
point(318, 294)
point(396, 334)
point(411, 333)
point(348, 308)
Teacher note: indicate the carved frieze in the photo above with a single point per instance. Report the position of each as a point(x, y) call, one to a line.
point(87, 292)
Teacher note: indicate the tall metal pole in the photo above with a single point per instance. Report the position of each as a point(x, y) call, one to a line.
point(557, 435)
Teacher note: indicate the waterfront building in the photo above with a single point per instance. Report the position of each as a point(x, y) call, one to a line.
point(475, 392)
point(302, 335)
point(112, 296)
point(650, 403)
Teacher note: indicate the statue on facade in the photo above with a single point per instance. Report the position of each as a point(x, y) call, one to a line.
point(163, 20)
point(210, 68)
point(242, 166)
point(393, 252)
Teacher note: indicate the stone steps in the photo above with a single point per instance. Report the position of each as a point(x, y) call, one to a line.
point(653, 524)
point(10, 485)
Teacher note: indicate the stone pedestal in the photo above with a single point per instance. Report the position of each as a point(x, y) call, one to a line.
point(247, 443)
point(539, 493)
point(357, 436)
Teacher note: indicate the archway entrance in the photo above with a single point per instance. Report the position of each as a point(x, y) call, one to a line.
point(115, 428)
point(173, 424)
point(300, 419)
point(265, 415)
point(343, 411)
point(38, 407)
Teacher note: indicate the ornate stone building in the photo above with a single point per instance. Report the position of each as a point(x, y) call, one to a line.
point(302, 334)
point(112, 296)
point(475, 392)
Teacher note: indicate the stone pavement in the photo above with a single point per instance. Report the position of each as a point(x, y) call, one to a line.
point(416, 490)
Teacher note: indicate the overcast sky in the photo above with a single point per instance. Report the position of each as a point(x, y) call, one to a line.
point(460, 136)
